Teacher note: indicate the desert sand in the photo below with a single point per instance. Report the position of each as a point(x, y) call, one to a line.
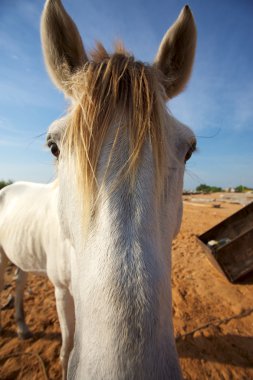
point(213, 319)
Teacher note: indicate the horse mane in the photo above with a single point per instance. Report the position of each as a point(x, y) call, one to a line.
point(114, 88)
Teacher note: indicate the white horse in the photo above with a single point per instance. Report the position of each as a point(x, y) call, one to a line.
point(121, 160)
point(30, 237)
point(121, 163)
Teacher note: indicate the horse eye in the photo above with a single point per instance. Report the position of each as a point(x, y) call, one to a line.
point(190, 151)
point(188, 155)
point(54, 149)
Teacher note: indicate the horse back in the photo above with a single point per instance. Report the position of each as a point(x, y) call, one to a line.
point(22, 207)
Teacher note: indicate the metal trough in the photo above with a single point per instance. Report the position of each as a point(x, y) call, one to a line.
point(235, 258)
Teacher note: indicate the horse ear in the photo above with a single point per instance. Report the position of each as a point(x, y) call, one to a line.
point(176, 52)
point(62, 44)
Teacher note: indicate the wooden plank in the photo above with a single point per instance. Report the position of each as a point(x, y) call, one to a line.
point(235, 225)
point(234, 259)
point(211, 257)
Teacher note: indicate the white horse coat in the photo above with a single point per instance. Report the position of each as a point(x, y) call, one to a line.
point(121, 262)
point(121, 158)
point(30, 237)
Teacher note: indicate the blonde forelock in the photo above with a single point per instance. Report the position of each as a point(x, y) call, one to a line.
point(107, 84)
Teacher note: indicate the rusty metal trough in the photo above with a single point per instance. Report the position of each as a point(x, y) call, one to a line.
point(234, 259)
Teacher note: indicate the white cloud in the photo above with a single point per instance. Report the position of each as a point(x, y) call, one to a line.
point(212, 103)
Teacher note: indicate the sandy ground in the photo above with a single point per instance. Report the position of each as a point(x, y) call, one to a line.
point(201, 295)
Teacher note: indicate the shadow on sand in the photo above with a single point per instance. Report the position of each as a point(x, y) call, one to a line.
point(6, 333)
point(227, 349)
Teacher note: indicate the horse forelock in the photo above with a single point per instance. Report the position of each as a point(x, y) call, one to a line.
point(115, 89)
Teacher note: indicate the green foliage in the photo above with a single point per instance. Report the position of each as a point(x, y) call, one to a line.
point(5, 183)
point(203, 188)
point(241, 189)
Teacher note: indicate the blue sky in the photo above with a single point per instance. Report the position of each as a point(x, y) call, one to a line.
point(217, 104)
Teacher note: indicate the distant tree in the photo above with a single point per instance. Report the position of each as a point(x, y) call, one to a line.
point(203, 188)
point(5, 183)
point(241, 189)
point(215, 189)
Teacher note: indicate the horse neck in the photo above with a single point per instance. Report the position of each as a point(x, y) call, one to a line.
point(123, 291)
